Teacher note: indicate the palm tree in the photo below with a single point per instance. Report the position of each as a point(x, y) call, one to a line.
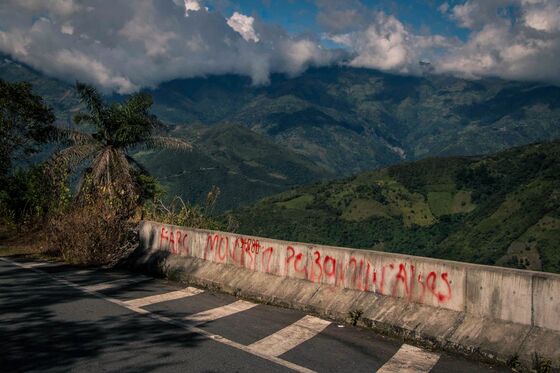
point(113, 129)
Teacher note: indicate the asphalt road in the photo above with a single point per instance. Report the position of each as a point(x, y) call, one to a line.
point(56, 317)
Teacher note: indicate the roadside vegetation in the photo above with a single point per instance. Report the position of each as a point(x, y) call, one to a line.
point(75, 192)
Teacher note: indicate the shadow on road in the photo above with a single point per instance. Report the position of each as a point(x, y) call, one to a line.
point(45, 325)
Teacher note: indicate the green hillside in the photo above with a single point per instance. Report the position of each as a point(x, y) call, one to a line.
point(245, 166)
point(502, 209)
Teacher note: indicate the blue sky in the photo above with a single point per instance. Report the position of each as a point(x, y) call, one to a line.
point(300, 16)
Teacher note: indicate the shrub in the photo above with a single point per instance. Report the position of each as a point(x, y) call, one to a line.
point(29, 196)
point(93, 234)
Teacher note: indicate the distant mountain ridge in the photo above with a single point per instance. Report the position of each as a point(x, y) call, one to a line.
point(500, 209)
point(337, 121)
point(350, 120)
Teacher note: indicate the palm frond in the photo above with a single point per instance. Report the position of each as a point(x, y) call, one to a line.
point(75, 155)
point(91, 98)
point(84, 118)
point(59, 134)
point(166, 142)
point(139, 103)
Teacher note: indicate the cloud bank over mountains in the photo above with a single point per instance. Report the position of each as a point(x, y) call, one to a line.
point(125, 45)
point(133, 44)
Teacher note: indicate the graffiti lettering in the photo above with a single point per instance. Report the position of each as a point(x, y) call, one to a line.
point(398, 279)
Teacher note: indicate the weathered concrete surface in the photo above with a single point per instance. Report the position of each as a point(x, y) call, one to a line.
point(491, 312)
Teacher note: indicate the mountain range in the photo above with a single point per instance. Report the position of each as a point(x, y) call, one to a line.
point(253, 141)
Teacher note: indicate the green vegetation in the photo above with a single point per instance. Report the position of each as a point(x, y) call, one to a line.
point(502, 209)
point(93, 226)
point(26, 123)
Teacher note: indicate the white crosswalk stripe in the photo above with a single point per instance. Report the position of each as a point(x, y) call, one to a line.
point(219, 312)
point(114, 284)
point(146, 301)
point(410, 359)
point(291, 336)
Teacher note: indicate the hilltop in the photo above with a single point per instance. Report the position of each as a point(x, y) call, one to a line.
point(501, 209)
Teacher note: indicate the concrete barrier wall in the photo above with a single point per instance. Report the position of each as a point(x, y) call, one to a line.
point(522, 297)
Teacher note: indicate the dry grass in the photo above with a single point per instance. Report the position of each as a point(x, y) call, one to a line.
point(23, 242)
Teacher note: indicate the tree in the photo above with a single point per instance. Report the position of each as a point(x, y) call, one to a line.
point(113, 130)
point(25, 122)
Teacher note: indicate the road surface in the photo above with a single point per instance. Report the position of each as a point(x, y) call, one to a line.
point(58, 318)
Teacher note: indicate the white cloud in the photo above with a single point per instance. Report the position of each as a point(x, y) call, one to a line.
point(444, 7)
point(387, 44)
point(193, 6)
point(56, 7)
point(515, 39)
point(244, 26)
point(129, 45)
point(383, 45)
point(543, 16)
point(67, 29)
point(512, 39)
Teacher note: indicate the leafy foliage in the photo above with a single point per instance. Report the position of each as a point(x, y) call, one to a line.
point(25, 122)
point(31, 195)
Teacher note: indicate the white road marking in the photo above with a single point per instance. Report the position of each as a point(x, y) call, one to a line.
point(219, 312)
point(410, 359)
point(146, 301)
point(85, 272)
point(168, 320)
point(291, 336)
point(35, 264)
point(114, 284)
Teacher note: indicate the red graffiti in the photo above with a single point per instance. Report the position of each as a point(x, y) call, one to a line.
point(218, 245)
point(360, 274)
point(316, 267)
point(266, 267)
point(398, 279)
point(332, 261)
point(431, 284)
point(401, 278)
point(163, 236)
point(298, 266)
point(176, 241)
